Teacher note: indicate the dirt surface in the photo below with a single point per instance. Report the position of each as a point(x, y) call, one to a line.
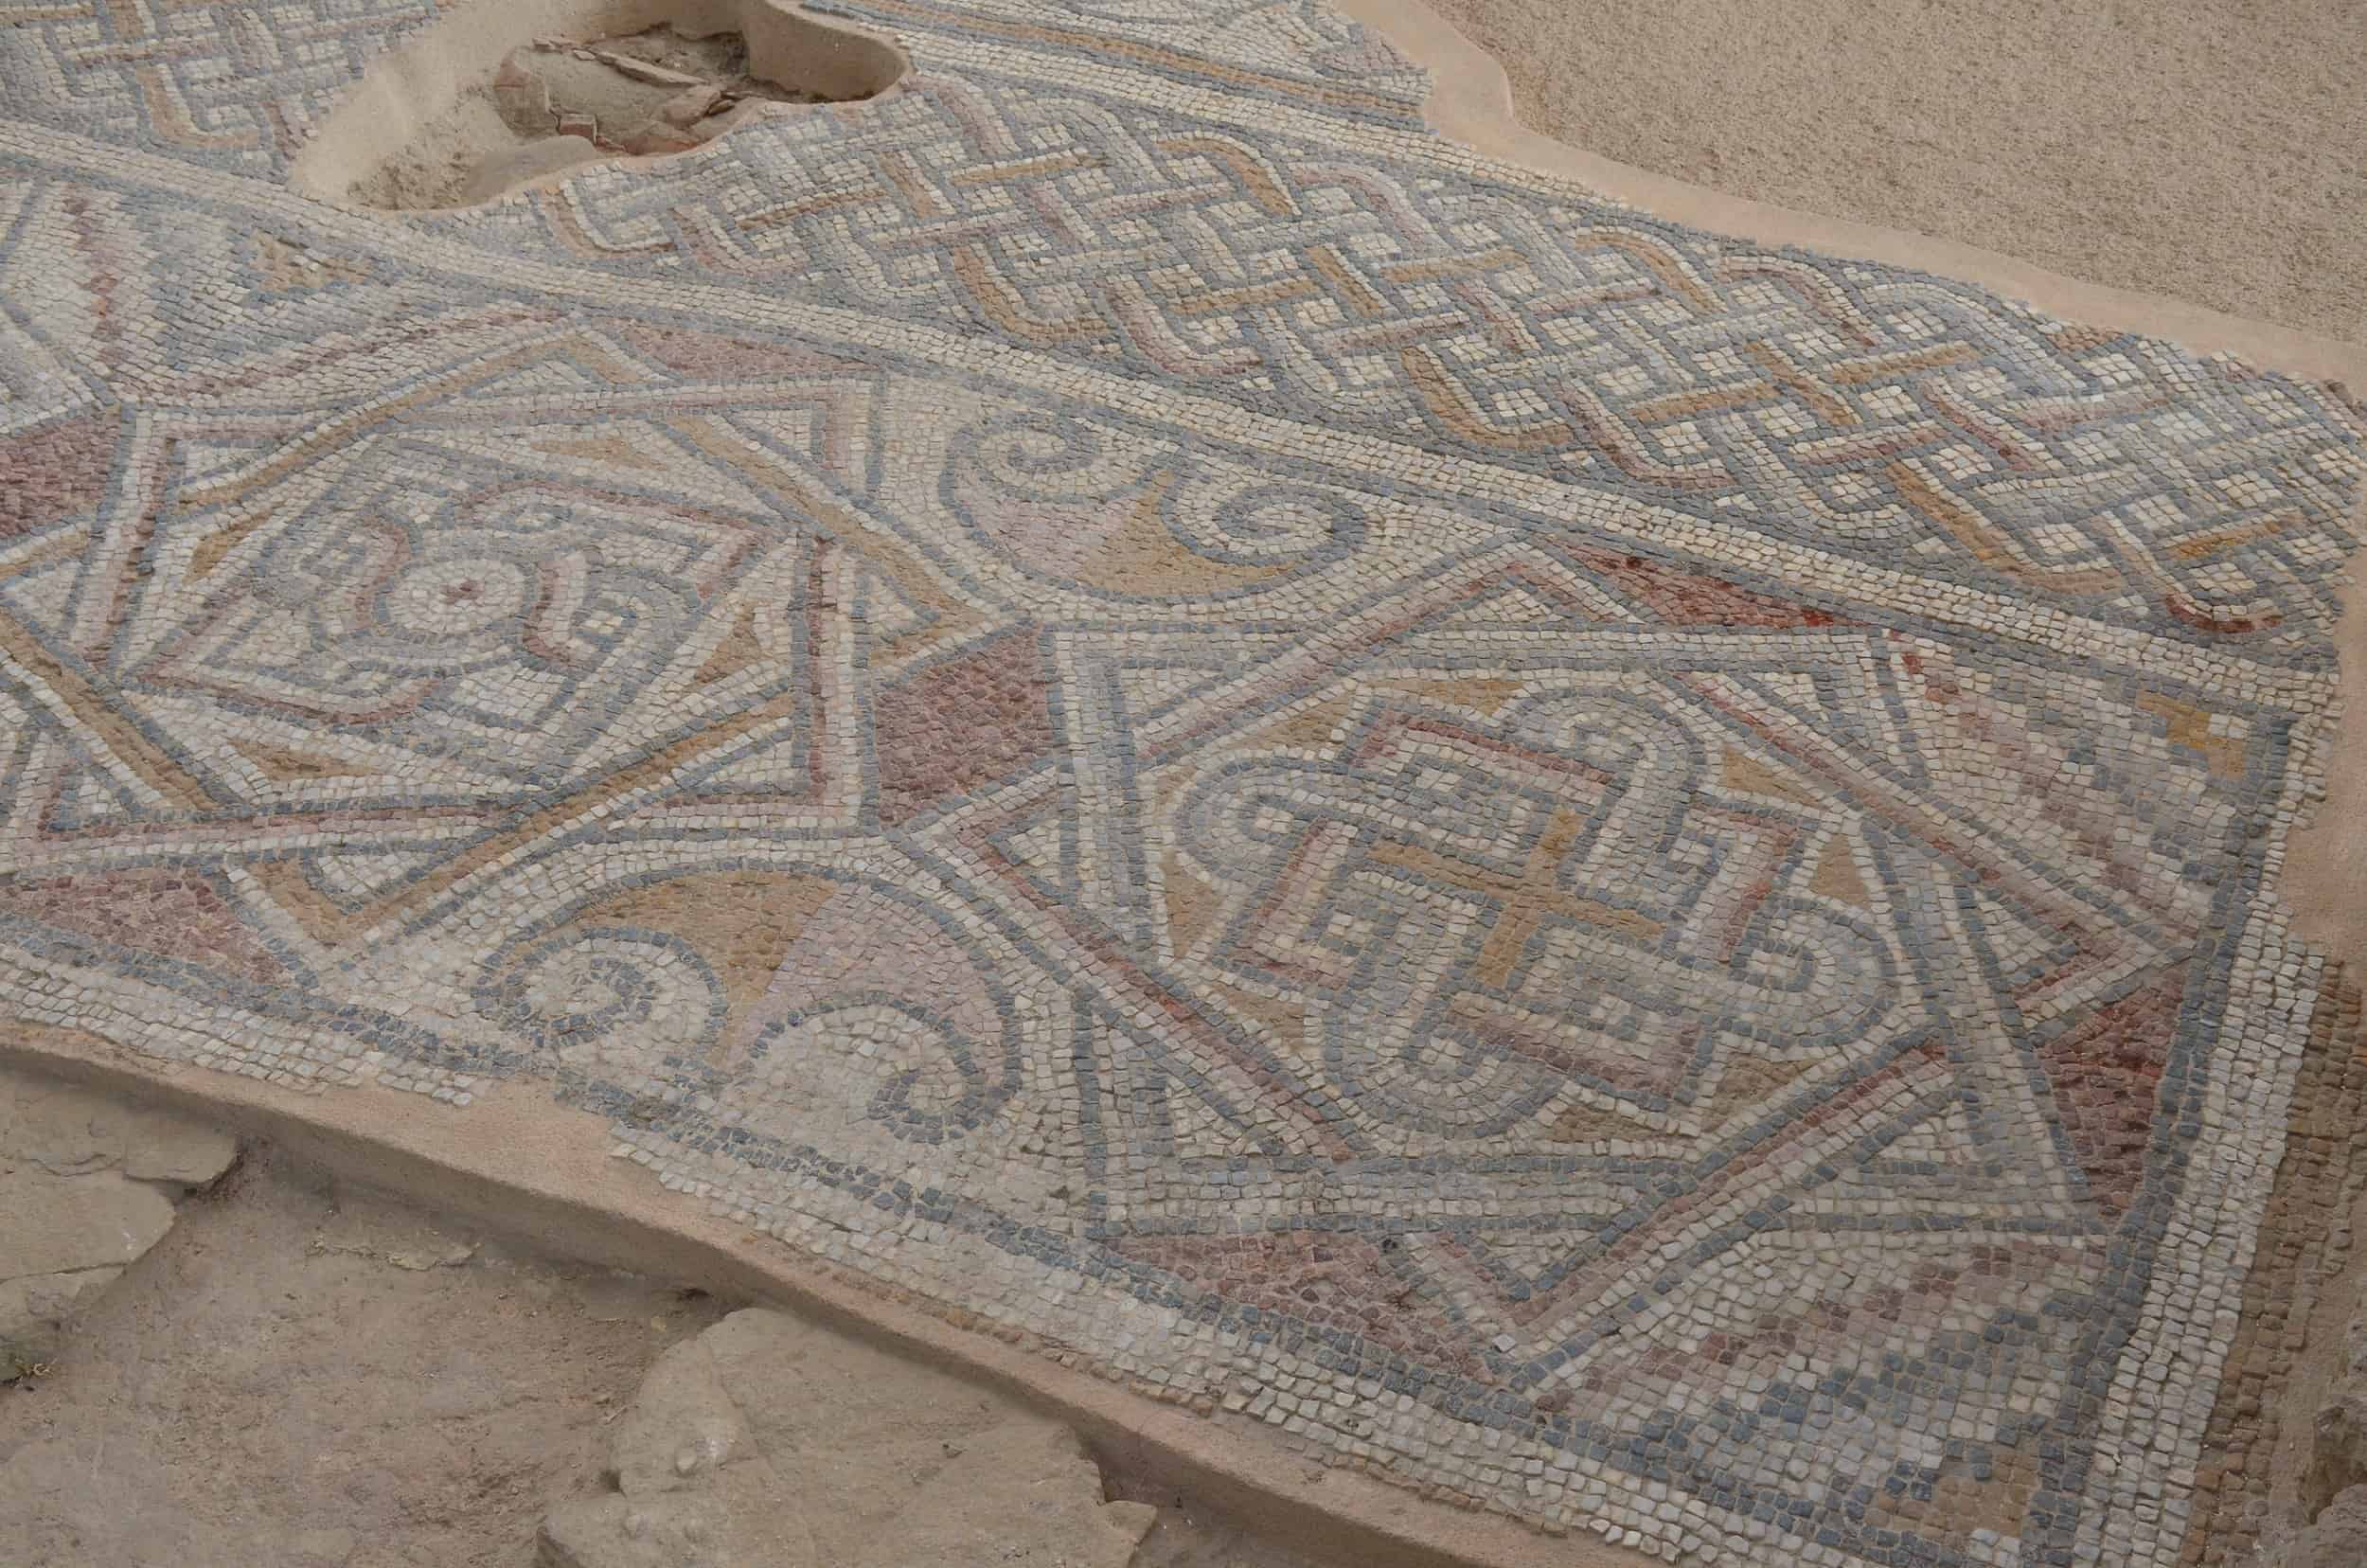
point(558, 103)
point(87, 1184)
point(2210, 150)
point(300, 1374)
point(770, 1441)
point(1186, 1537)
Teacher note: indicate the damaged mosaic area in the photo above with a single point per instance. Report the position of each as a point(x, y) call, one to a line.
point(1611, 874)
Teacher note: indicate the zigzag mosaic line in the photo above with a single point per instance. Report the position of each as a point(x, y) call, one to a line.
point(1609, 874)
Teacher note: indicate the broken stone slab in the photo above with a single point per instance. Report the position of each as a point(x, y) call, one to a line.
point(744, 1518)
point(522, 99)
point(62, 1239)
point(86, 1187)
point(688, 108)
point(640, 70)
point(767, 1440)
point(57, 1224)
point(682, 1427)
point(162, 1147)
point(657, 141)
point(68, 1130)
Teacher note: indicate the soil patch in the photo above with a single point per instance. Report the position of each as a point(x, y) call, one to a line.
point(556, 103)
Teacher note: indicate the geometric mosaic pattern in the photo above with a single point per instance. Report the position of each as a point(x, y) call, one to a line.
point(1888, 417)
point(1616, 875)
point(243, 85)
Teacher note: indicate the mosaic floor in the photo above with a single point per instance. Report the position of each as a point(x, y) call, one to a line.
point(1613, 875)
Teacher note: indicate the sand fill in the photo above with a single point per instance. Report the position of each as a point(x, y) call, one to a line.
point(2208, 149)
point(558, 103)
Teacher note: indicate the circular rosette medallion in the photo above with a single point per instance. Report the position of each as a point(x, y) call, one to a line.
point(456, 597)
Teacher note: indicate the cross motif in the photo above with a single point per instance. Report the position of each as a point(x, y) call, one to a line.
point(1523, 898)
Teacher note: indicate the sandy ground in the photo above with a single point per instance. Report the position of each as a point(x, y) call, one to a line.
point(300, 1375)
point(2211, 149)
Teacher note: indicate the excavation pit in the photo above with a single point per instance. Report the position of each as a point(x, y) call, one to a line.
point(481, 106)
